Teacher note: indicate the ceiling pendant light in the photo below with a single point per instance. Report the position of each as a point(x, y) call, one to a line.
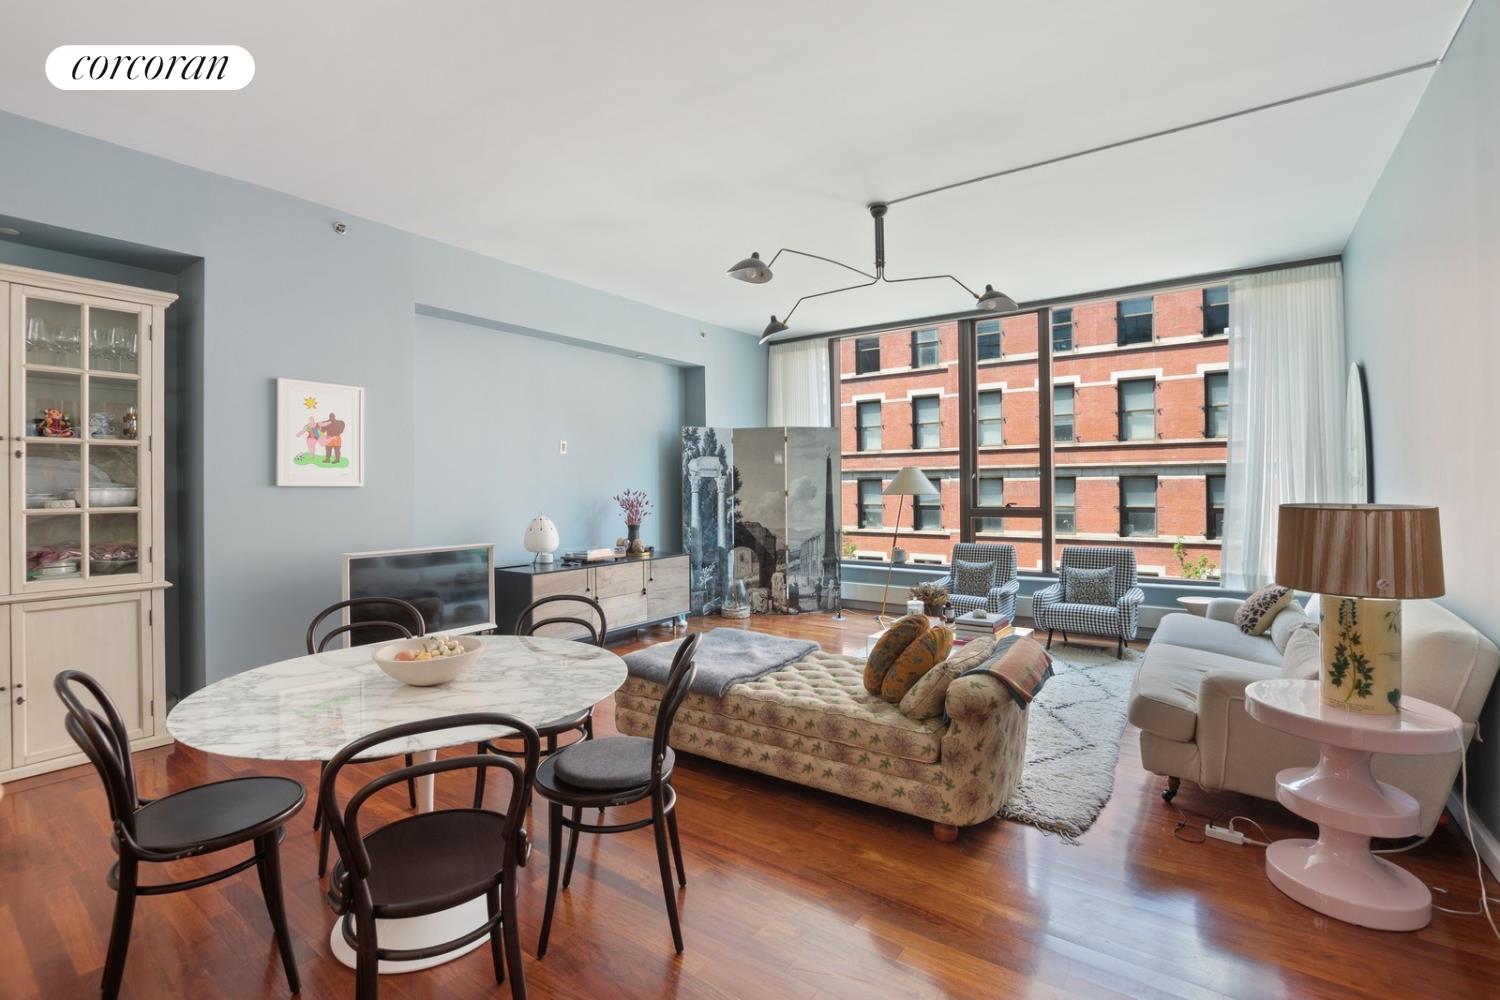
point(758, 272)
point(751, 269)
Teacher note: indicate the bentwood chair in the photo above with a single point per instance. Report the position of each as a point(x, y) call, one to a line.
point(432, 861)
point(184, 824)
point(360, 631)
point(582, 723)
point(617, 771)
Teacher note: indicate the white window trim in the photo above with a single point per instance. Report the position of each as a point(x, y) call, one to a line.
point(1115, 378)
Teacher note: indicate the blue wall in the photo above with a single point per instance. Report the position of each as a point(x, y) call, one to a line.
point(283, 295)
point(1419, 280)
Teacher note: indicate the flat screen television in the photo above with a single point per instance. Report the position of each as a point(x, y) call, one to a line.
point(453, 587)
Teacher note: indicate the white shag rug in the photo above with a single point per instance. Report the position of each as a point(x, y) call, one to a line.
point(1073, 740)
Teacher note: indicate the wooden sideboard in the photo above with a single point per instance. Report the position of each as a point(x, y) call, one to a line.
point(633, 592)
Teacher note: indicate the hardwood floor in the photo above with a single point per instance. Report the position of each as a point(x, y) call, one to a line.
point(791, 893)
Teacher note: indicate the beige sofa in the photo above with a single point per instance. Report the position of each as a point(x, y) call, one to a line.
point(812, 722)
point(1189, 702)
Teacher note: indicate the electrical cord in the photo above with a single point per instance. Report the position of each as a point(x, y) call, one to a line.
point(1484, 896)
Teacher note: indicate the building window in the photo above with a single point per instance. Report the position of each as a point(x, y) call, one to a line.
point(987, 340)
point(1134, 320)
point(1138, 409)
point(1062, 329)
point(1215, 310)
point(927, 511)
point(924, 347)
point(1215, 490)
point(926, 424)
point(1062, 413)
point(871, 504)
point(1137, 506)
point(991, 426)
point(1064, 505)
point(866, 355)
point(867, 425)
point(991, 494)
point(1216, 404)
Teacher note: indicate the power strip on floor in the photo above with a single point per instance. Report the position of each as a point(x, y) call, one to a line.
point(1225, 834)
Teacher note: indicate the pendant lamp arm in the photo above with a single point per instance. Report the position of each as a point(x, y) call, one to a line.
point(933, 277)
point(831, 291)
point(828, 260)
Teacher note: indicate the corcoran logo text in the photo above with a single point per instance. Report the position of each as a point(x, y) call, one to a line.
point(150, 67)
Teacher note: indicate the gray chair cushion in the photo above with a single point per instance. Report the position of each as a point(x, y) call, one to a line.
point(974, 578)
point(614, 762)
point(1088, 586)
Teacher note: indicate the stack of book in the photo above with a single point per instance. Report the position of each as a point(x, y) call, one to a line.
point(970, 626)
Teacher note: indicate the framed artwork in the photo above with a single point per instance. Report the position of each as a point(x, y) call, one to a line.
point(320, 434)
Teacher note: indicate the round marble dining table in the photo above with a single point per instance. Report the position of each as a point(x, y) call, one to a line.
point(309, 707)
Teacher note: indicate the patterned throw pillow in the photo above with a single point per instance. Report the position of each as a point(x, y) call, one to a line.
point(926, 697)
point(973, 578)
point(931, 648)
point(1255, 615)
point(1088, 586)
point(890, 646)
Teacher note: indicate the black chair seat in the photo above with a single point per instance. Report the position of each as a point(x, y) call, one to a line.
point(563, 725)
point(615, 763)
point(229, 811)
point(431, 861)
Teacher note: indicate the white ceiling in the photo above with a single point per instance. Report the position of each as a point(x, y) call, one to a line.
point(643, 148)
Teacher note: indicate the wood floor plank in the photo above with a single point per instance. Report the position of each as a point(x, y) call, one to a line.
point(791, 893)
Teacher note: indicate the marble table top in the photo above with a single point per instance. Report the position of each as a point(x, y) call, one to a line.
point(309, 707)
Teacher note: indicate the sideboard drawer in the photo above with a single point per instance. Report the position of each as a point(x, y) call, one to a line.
point(624, 610)
point(570, 582)
point(619, 580)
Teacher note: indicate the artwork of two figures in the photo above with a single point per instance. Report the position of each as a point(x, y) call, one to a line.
point(760, 504)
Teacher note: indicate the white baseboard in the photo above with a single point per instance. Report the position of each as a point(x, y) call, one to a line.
point(1484, 840)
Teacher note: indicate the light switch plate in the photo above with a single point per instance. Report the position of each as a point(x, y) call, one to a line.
point(562, 447)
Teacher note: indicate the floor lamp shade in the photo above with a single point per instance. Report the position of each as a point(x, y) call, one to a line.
point(909, 482)
point(1365, 559)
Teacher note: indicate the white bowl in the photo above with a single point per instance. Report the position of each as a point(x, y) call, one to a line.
point(426, 673)
point(107, 496)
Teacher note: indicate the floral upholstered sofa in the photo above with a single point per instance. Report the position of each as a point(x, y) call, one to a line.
point(812, 722)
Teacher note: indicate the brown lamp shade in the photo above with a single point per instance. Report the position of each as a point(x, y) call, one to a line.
point(1360, 550)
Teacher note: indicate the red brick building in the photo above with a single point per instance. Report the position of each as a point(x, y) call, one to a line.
point(1140, 418)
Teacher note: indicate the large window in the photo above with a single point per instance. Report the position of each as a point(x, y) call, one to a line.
point(1138, 410)
point(1214, 488)
point(867, 425)
point(927, 511)
point(1216, 404)
point(1062, 413)
point(924, 347)
point(1137, 506)
point(1135, 320)
point(926, 422)
point(1215, 310)
point(1065, 504)
point(987, 340)
point(871, 504)
point(991, 424)
point(1099, 422)
point(1062, 330)
point(991, 494)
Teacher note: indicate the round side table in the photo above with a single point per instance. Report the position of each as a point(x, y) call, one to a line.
point(1196, 605)
point(1336, 874)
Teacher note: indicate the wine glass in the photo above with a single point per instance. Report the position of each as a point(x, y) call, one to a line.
point(36, 340)
point(69, 344)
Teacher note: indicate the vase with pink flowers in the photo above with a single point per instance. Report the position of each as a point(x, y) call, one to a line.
point(635, 505)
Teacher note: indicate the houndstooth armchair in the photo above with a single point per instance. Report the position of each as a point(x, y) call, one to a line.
point(1119, 622)
point(1001, 598)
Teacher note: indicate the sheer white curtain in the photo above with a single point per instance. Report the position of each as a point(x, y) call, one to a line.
point(1286, 409)
point(797, 386)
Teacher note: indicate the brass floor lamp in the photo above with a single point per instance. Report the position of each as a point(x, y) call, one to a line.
point(909, 482)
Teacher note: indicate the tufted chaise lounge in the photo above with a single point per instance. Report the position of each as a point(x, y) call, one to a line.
point(812, 722)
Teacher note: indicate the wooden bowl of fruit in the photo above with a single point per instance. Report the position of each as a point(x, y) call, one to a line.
point(434, 659)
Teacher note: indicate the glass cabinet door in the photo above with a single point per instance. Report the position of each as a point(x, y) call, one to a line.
point(77, 396)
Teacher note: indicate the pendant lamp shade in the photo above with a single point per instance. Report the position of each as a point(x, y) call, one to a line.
point(751, 269)
point(993, 301)
point(911, 482)
point(772, 329)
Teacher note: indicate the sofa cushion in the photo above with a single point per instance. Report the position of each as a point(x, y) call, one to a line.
point(931, 648)
point(926, 697)
point(889, 647)
point(1303, 657)
point(1088, 586)
point(1287, 621)
point(1255, 615)
point(1181, 629)
point(1164, 700)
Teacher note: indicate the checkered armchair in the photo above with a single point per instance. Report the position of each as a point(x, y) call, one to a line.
point(1119, 622)
point(1000, 600)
